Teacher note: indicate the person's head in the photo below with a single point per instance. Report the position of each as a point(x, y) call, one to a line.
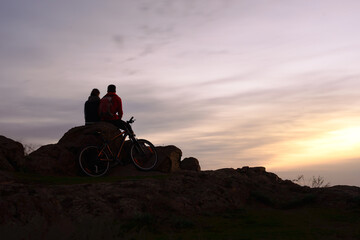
point(111, 88)
point(95, 92)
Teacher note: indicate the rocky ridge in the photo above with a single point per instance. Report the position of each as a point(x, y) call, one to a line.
point(61, 159)
point(177, 187)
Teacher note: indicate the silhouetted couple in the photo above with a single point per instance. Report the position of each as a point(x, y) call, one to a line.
point(108, 109)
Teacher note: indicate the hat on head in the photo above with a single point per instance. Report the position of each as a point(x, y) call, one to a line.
point(111, 88)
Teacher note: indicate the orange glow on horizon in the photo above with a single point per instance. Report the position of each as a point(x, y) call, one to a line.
point(330, 147)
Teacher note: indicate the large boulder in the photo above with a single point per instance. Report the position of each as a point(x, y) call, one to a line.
point(78, 137)
point(62, 158)
point(52, 159)
point(190, 164)
point(169, 158)
point(11, 154)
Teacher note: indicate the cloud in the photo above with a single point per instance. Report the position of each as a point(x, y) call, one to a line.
point(119, 41)
point(39, 120)
point(265, 118)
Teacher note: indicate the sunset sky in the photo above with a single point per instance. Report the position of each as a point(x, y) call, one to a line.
point(234, 83)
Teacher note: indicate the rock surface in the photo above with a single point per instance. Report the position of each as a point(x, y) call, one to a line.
point(36, 203)
point(62, 158)
point(11, 154)
point(190, 164)
point(169, 158)
point(180, 193)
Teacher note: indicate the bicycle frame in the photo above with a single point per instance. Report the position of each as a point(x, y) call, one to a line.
point(106, 148)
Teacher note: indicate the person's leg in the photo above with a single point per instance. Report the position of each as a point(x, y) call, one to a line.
point(122, 125)
point(127, 127)
point(116, 123)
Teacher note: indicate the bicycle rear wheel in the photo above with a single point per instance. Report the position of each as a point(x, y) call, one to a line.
point(93, 162)
point(143, 154)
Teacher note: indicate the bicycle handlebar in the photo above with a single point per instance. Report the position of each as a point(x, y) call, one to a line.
point(131, 120)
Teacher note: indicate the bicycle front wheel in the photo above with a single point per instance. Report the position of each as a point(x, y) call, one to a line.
point(143, 154)
point(93, 162)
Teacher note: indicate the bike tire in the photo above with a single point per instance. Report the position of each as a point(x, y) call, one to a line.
point(144, 155)
point(93, 162)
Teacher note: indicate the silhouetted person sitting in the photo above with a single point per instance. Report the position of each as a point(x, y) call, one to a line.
point(91, 109)
point(110, 109)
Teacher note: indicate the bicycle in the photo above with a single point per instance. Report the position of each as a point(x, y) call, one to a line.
point(95, 161)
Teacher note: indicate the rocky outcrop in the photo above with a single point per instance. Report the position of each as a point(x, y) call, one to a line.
point(180, 193)
point(52, 159)
point(11, 154)
point(43, 207)
point(190, 164)
point(34, 206)
point(169, 158)
point(62, 158)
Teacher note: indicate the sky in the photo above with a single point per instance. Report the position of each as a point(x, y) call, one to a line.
point(234, 83)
